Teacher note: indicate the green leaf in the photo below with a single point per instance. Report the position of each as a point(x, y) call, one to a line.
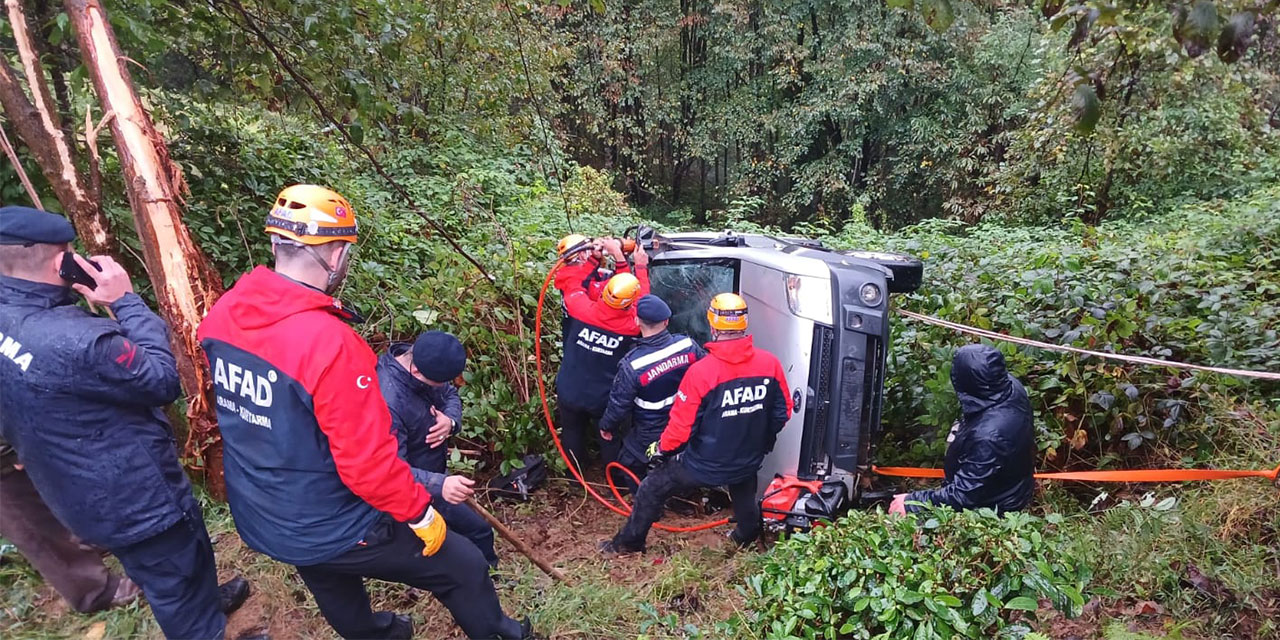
point(979, 602)
point(598, 6)
point(949, 600)
point(938, 14)
point(1088, 110)
point(901, 4)
point(1022, 603)
point(357, 132)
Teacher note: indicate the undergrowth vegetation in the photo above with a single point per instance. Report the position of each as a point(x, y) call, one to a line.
point(939, 574)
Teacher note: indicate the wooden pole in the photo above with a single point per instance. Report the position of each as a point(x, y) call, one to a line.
point(517, 542)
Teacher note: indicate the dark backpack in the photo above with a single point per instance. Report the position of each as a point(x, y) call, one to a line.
point(518, 483)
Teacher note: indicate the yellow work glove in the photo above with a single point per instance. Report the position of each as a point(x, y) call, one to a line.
point(431, 529)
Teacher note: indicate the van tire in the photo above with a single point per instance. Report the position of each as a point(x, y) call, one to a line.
point(908, 271)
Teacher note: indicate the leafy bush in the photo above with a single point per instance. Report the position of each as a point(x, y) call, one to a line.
point(405, 279)
point(943, 574)
point(1199, 284)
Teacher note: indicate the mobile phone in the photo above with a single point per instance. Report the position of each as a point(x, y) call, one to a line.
point(72, 272)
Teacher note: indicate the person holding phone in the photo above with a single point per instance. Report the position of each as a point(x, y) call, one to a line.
point(83, 407)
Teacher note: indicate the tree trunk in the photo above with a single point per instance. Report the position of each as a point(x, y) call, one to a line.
point(39, 125)
point(186, 285)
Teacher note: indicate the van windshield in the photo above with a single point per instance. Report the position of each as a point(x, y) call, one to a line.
point(687, 286)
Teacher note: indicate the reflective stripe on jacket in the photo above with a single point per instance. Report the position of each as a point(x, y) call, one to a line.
point(644, 389)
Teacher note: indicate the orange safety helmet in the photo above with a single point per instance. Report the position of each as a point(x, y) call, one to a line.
point(621, 291)
point(568, 242)
point(311, 215)
point(728, 312)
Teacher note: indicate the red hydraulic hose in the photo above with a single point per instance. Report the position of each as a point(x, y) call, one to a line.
point(625, 509)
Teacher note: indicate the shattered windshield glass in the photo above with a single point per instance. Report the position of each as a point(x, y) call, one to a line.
point(687, 286)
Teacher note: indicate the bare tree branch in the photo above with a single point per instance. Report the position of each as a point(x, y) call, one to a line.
point(39, 125)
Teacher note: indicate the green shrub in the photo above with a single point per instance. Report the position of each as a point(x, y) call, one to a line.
point(1198, 284)
point(942, 574)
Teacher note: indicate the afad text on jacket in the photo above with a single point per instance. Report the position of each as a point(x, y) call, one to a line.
point(596, 337)
point(309, 456)
point(728, 411)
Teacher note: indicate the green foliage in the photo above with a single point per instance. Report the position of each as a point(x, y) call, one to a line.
point(405, 280)
point(438, 65)
point(941, 574)
point(1196, 285)
point(1128, 115)
point(1205, 551)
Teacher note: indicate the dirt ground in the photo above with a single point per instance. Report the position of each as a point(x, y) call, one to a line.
point(562, 523)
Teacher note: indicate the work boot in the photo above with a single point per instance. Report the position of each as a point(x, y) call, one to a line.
point(738, 540)
point(232, 594)
point(526, 630)
point(126, 591)
point(401, 628)
point(614, 548)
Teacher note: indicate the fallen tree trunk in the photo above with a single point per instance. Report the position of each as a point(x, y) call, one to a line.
point(186, 284)
point(39, 125)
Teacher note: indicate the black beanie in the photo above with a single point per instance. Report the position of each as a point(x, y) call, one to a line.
point(439, 356)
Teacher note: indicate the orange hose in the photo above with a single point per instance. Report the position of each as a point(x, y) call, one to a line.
point(625, 509)
point(1123, 475)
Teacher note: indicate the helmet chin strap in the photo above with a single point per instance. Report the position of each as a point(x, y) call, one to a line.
point(335, 275)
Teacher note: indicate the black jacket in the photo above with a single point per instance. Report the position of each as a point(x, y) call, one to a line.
point(410, 401)
point(81, 400)
point(728, 412)
point(991, 452)
point(645, 388)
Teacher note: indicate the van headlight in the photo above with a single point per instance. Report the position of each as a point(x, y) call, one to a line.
point(871, 294)
point(809, 297)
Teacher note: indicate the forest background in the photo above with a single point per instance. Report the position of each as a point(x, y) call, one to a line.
point(1096, 174)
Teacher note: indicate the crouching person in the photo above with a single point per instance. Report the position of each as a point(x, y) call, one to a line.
point(991, 450)
point(727, 414)
point(313, 474)
point(425, 411)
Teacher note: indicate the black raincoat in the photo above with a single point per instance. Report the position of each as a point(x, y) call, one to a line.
point(991, 451)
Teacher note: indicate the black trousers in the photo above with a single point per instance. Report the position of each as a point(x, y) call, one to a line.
point(177, 573)
point(456, 575)
point(636, 465)
point(76, 572)
point(670, 479)
point(577, 427)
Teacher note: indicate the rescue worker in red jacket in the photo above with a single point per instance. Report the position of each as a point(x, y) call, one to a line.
point(597, 334)
point(586, 266)
point(312, 471)
point(726, 417)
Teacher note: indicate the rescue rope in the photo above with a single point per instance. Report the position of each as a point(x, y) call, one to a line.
point(1004, 337)
point(625, 509)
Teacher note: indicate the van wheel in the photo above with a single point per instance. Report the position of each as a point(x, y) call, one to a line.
point(908, 271)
